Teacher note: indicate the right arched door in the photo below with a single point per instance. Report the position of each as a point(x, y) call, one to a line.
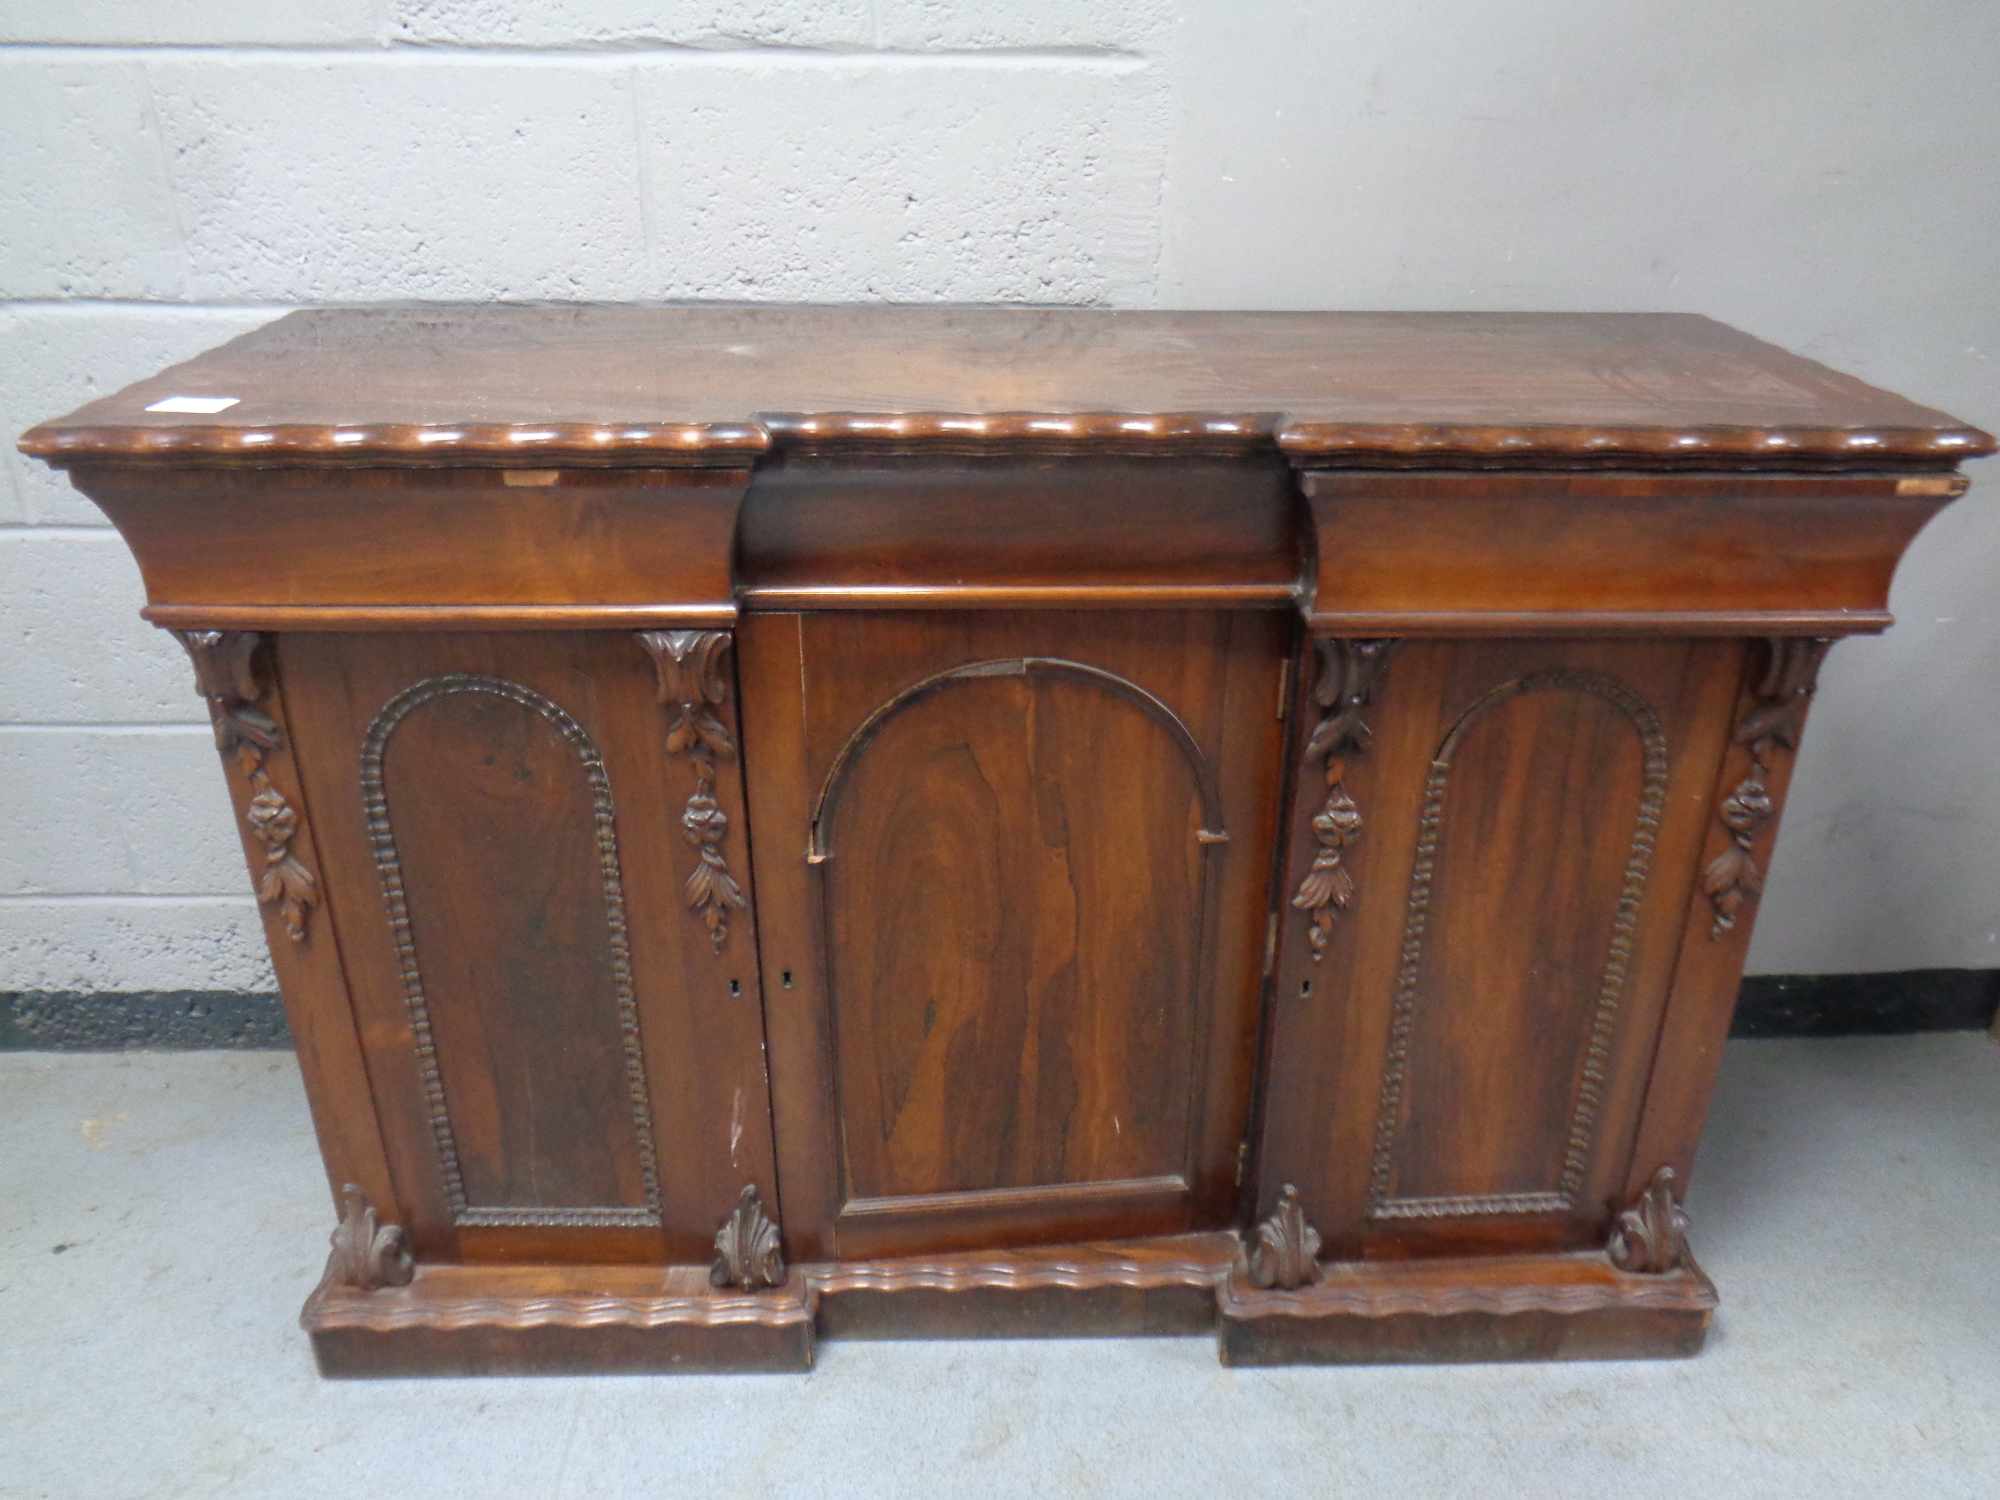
point(1459, 1061)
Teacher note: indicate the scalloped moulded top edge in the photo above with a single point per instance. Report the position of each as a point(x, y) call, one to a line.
point(1307, 444)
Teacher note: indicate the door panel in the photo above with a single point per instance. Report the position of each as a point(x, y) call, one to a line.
point(1550, 785)
point(1013, 885)
point(492, 821)
point(566, 1055)
point(1458, 1065)
point(1021, 835)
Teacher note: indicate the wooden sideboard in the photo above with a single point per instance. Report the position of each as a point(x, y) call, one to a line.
point(887, 821)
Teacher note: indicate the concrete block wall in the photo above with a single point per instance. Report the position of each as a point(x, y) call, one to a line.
point(175, 172)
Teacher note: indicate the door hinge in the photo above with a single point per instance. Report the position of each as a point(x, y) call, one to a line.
point(1242, 1159)
point(1270, 944)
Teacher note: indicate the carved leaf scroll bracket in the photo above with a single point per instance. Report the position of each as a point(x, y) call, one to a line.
point(1733, 878)
point(694, 682)
point(748, 1252)
point(225, 672)
point(1286, 1255)
point(1348, 673)
point(367, 1254)
point(1651, 1235)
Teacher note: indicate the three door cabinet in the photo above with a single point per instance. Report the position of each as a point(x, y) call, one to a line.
point(937, 822)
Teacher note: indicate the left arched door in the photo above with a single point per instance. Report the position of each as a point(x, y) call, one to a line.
point(565, 1052)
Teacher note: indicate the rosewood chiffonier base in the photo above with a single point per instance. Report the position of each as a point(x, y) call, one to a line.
point(780, 822)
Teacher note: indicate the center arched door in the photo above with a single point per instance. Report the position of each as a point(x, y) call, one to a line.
point(1036, 858)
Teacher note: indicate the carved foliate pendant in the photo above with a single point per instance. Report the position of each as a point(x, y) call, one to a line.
point(692, 667)
point(1651, 1236)
point(1347, 676)
point(748, 1253)
point(367, 1254)
point(1733, 878)
point(1286, 1255)
point(225, 673)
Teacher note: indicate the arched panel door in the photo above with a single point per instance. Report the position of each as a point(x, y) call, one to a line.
point(1014, 861)
point(1018, 866)
point(497, 853)
point(1504, 1002)
point(1460, 1063)
point(564, 1040)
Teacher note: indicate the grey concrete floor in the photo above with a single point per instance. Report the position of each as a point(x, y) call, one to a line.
point(162, 1217)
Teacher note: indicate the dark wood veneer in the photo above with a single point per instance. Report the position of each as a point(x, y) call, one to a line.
point(623, 386)
point(975, 821)
point(1659, 553)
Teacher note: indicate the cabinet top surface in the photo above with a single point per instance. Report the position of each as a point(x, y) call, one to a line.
point(720, 385)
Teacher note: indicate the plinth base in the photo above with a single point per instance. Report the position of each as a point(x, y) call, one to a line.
point(559, 1320)
point(1521, 1307)
point(530, 1320)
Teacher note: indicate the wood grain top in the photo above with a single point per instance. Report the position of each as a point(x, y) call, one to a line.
point(712, 385)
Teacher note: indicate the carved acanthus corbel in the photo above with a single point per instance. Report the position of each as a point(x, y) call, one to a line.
point(694, 680)
point(1733, 878)
point(367, 1254)
point(1348, 672)
point(1286, 1255)
point(1651, 1235)
point(748, 1252)
point(225, 673)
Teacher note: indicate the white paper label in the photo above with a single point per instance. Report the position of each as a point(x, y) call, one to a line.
point(200, 406)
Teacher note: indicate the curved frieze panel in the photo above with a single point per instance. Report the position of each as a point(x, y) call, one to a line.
point(1528, 927)
point(491, 820)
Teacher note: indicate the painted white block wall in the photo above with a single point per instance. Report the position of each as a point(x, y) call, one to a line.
point(175, 172)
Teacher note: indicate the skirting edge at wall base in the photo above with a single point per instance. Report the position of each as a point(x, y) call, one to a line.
point(157, 1020)
point(1769, 1005)
point(1909, 1000)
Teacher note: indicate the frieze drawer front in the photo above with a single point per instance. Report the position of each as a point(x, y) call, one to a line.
point(791, 822)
